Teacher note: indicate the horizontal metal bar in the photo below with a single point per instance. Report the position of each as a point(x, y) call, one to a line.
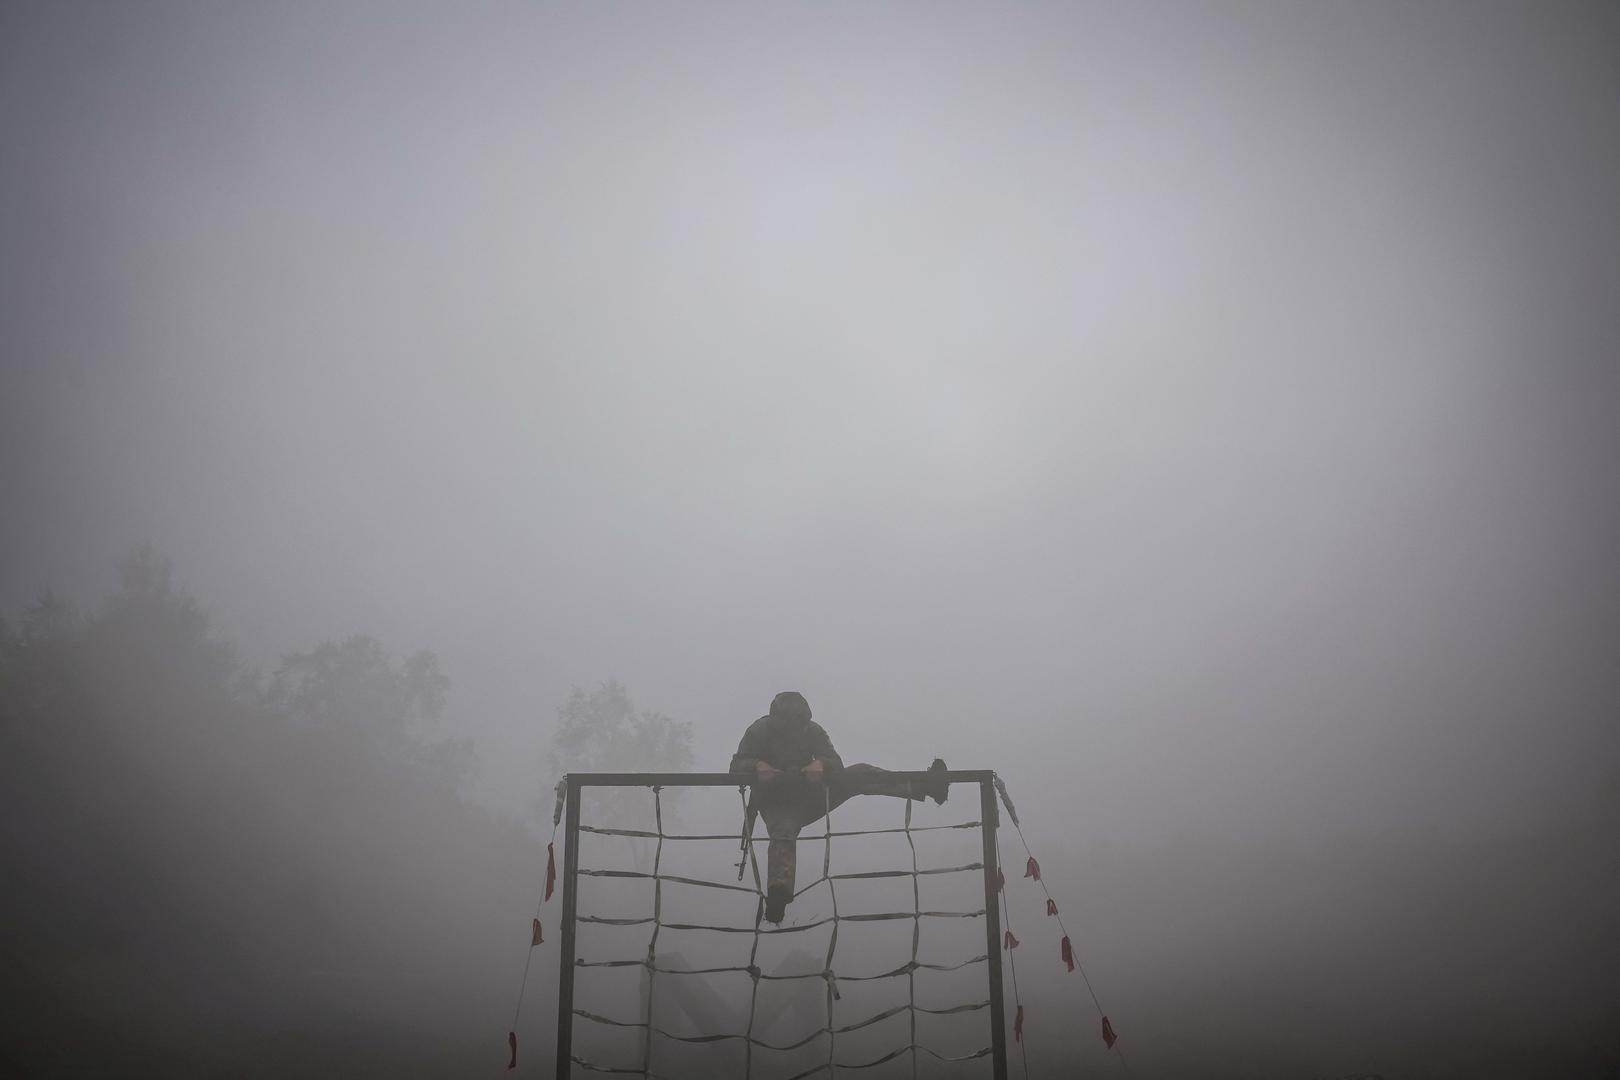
point(668, 877)
point(621, 779)
point(603, 830)
point(906, 873)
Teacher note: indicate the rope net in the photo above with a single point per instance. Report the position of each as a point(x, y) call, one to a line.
point(677, 974)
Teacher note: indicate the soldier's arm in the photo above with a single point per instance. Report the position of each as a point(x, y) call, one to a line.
point(746, 760)
point(821, 748)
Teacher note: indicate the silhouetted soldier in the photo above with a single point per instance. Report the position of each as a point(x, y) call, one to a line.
point(798, 777)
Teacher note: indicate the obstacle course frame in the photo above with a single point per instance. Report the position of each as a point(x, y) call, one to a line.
point(575, 782)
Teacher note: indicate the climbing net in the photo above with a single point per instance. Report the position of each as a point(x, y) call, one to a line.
point(668, 969)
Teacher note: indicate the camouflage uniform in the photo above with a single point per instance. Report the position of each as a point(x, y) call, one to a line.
point(787, 739)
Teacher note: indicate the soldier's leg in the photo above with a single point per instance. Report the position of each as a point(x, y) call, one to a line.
point(864, 779)
point(781, 858)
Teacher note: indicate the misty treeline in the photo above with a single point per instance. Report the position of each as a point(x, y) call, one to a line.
point(209, 871)
point(219, 872)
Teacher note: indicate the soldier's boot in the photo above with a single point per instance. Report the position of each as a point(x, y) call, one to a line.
point(938, 788)
point(776, 902)
point(866, 779)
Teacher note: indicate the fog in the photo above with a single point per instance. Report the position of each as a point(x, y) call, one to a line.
point(1199, 414)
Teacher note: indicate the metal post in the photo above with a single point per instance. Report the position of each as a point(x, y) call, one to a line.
point(565, 962)
point(992, 929)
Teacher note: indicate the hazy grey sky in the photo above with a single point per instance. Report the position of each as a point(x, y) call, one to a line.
point(1200, 413)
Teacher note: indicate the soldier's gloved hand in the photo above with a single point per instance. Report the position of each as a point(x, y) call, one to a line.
point(766, 771)
point(812, 772)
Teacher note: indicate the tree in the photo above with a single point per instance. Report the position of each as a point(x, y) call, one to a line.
point(355, 685)
point(163, 829)
point(354, 681)
point(602, 732)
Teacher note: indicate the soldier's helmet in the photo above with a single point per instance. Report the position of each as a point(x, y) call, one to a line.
point(790, 705)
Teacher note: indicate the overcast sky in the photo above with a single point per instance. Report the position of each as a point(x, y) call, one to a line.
point(1200, 413)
